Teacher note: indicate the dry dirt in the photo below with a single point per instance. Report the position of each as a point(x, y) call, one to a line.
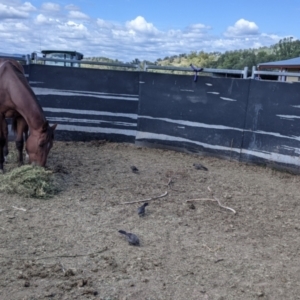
point(68, 247)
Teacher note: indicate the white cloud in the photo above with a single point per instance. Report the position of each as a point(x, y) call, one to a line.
point(52, 26)
point(77, 15)
point(51, 7)
point(9, 12)
point(139, 24)
point(44, 20)
point(71, 7)
point(27, 6)
point(104, 24)
point(242, 27)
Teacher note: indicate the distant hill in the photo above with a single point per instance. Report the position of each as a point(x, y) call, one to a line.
point(238, 59)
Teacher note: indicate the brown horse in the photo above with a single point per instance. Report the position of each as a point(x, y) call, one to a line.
point(16, 95)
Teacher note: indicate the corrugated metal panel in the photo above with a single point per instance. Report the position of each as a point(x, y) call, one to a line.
point(288, 62)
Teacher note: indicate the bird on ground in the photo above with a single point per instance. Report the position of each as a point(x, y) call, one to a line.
point(134, 169)
point(200, 167)
point(141, 209)
point(131, 238)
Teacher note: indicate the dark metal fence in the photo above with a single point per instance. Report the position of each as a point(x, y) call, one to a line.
point(248, 120)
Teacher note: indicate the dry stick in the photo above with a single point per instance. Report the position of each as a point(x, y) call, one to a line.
point(149, 199)
point(215, 199)
point(19, 208)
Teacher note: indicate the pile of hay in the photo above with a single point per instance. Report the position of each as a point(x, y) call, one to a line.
point(29, 181)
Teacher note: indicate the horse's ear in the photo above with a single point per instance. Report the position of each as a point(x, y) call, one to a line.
point(54, 127)
point(45, 126)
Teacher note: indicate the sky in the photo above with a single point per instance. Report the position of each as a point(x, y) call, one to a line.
point(145, 29)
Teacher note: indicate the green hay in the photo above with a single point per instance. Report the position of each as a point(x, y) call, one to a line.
point(29, 181)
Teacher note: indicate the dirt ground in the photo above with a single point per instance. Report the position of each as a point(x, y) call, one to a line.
point(68, 247)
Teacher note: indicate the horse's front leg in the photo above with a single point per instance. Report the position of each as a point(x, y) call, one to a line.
point(20, 146)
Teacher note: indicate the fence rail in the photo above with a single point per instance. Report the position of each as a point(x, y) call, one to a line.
point(88, 62)
point(27, 59)
point(256, 72)
point(243, 73)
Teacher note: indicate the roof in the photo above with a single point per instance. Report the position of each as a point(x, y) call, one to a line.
point(288, 63)
point(60, 51)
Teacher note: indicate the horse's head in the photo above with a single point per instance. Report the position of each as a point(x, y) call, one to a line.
point(39, 144)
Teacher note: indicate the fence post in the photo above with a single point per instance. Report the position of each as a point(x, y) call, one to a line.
point(253, 72)
point(145, 67)
point(245, 73)
point(28, 59)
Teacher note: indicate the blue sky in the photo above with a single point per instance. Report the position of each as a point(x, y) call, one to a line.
point(147, 30)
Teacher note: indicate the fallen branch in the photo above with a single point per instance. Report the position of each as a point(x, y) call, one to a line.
point(215, 199)
point(19, 208)
point(149, 199)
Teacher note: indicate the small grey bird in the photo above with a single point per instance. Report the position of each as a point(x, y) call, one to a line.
point(200, 167)
point(134, 169)
point(141, 209)
point(131, 238)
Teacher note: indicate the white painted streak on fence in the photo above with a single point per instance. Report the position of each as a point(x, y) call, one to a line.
point(46, 91)
point(280, 158)
point(89, 112)
point(222, 127)
point(73, 120)
point(157, 136)
point(227, 99)
point(191, 91)
point(215, 93)
point(192, 124)
point(96, 129)
point(209, 84)
point(288, 117)
point(295, 150)
point(297, 138)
